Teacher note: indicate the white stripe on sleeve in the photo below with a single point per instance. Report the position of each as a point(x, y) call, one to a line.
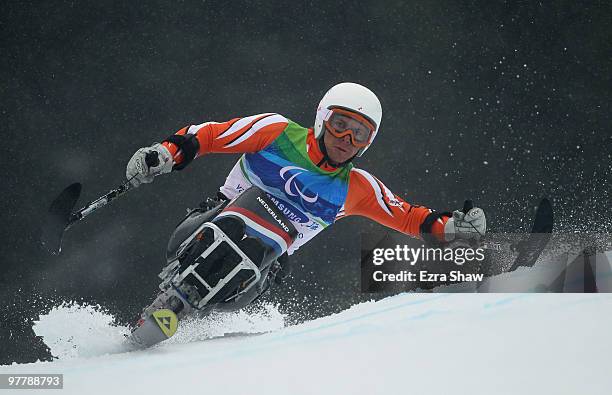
point(377, 192)
point(241, 123)
point(257, 127)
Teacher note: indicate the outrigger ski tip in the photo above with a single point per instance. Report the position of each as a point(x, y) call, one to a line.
point(61, 215)
point(58, 218)
point(544, 217)
point(531, 247)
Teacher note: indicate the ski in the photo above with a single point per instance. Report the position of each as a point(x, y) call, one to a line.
point(155, 328)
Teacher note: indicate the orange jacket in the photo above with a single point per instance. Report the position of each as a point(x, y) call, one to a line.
point(367, 196)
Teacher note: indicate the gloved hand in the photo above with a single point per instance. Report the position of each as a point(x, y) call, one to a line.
point(470, 225)
point(148, 162)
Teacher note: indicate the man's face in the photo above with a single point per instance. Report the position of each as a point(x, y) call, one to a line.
point(339, 149)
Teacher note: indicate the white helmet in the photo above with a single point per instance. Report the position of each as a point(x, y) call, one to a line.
point(353, 97)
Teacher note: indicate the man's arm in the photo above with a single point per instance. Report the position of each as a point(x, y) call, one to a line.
point(369, 197)
point(239, 135)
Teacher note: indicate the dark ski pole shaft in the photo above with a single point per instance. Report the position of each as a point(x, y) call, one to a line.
point(60, 216)
point(98, 203)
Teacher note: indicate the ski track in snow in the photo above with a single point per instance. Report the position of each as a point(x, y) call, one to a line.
point(408, 343)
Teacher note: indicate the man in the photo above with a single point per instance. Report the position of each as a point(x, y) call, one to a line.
point(308, 173)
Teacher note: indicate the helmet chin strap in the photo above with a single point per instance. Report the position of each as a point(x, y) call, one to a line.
point(326, 157)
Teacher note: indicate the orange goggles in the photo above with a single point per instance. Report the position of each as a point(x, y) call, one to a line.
point(342, 122)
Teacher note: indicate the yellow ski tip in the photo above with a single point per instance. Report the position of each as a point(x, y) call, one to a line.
point(166, 320)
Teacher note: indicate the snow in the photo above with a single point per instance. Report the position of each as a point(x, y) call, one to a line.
point(408, 343)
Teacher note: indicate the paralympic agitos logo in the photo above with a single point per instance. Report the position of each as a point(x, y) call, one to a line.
point(291, 187)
